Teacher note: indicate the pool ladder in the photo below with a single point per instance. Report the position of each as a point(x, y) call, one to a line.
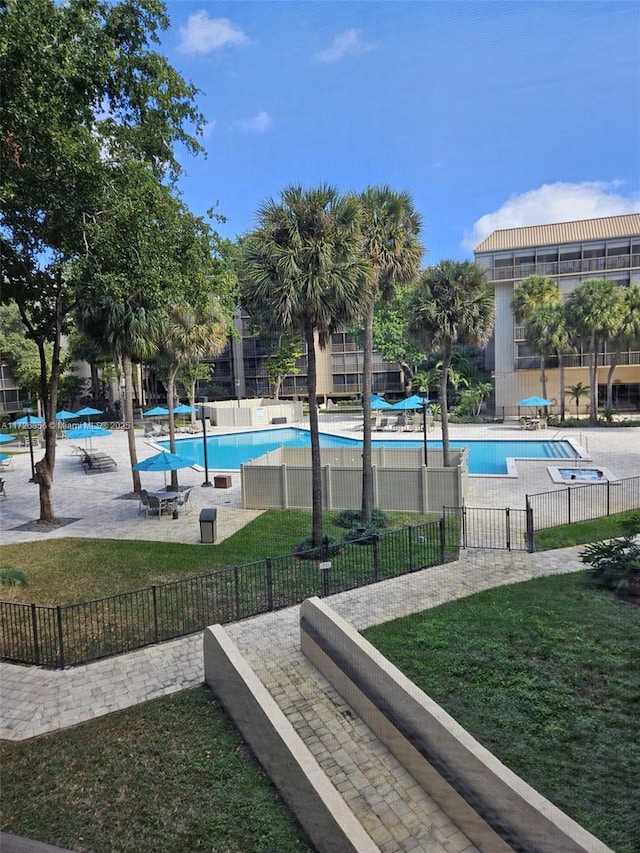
point(583, 440)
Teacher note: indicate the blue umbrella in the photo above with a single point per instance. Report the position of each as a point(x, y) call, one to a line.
point(64, 415)
point(87, 412)
point(183, 409)
point(4, 438)
point(31, 420)
point(535, 401)
point(86, 431)
point(413, 402)
point(4, 457)
point(379, 403)
point(163, 461)
point(158, 411)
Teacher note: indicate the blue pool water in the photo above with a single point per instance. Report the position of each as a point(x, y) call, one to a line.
point(228, 452)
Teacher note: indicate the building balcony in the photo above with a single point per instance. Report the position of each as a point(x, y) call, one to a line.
point(553, 268)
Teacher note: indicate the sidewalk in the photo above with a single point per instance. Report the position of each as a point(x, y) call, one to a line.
point(393, 809)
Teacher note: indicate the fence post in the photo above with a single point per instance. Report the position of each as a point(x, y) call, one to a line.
point(154, 598)
point(36, 644)
point(508, 527)
point(443, 536)
point(269, 562)
point(236, 590)
point(463, 515)
point(410, 548)
point(374, 554)
point(608, 499)
point(529, 533)
point(60, 644)
point(569, 504)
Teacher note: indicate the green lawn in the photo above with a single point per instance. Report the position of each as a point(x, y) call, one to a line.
point(65, 571)
point(546, 674)
point(580, 532)
point(168, 776)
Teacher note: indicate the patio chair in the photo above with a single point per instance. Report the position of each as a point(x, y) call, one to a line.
point(399, 423)
point(144, 502)
point(183, 501)
point(154, 505)
point(382, 424)
point(3, 493)
point(7, 464)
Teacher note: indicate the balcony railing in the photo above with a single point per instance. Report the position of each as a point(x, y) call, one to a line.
point(615, 262)
point(532, 362)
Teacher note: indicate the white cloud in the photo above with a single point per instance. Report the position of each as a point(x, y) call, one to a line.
point(259, 123)
point(203, 34)
point(559, 202)
point(348, 42)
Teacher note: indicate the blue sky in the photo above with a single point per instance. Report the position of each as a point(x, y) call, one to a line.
point(491, 114)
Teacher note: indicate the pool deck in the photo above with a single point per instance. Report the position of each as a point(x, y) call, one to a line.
point(98, 504)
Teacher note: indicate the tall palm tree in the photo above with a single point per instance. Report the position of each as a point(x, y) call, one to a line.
point(187, 332)
point(303, 264)
point(628, 333)
point(595, 311)
point(451, 303)
point(545, 335)
point(127, 328)
point(390, 228)
point(530, 296)
point(577, 392)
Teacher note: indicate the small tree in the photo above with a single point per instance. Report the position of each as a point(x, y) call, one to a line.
point(577, 392)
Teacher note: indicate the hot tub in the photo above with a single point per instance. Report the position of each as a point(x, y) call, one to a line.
point(579, 475)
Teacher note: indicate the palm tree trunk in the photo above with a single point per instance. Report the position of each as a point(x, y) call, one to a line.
point(593, 382)
point(171, 394)
point(367, 472)
point(127, 372)
point(316, 470)
point(610, 372)
point(562, 388)
point(444, 406)
point(543, 376)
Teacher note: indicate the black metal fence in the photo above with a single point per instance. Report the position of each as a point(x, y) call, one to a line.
point(583, 502)
point(68, 635)
point(493, 529)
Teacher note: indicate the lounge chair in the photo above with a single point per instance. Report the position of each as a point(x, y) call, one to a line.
point(7, 464)
point(399, 423)
point(383, 424)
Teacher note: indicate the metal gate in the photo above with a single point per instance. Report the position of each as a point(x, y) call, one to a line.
point(493, 529)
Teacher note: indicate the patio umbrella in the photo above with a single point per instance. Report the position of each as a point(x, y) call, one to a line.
point(379, 403)
point(413, 402)
point(183, 409)
point(87, 412)
point(4, 438)
point(86, 431)
point(535, 401)
point(157, 412)
point(4, 457)
point(163, 461)
point(32, 421)
point(63, 415)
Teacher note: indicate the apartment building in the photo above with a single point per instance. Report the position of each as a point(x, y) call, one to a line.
point(569, 252)
point(241, 370)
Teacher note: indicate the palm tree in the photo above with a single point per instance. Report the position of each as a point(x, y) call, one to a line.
point(595, 311)
point(577, 392)
point(390, 228)
point(185, 333)
point(530, 296)
point(303, 264)
point(628, 333)
point(545, 334)
point(127, 329)
point(451, 303)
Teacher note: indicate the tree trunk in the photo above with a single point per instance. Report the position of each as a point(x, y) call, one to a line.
point(610, 372)
point(444, 406)
point(543, 376)
point(127, 370)
point(562, 389)
point(171, 393)
point(593, 382)
point(367, 472)
point(316, 470)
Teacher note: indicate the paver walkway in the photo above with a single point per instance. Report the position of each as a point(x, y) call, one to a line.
point(391, 806)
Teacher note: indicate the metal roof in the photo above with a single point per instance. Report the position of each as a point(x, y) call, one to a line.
point(581, 231)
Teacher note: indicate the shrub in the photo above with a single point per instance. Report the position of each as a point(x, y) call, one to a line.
point(616, 562)
point(330, 547)
point(350, 519)
point(10, 576)
point(363, 534)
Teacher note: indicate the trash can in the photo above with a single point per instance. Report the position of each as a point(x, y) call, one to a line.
point(208, 524)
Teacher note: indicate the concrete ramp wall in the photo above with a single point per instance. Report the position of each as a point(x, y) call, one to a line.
point(495, 808)
point(304, 786)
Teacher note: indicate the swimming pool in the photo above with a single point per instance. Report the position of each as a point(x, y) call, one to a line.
point(229, 452)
